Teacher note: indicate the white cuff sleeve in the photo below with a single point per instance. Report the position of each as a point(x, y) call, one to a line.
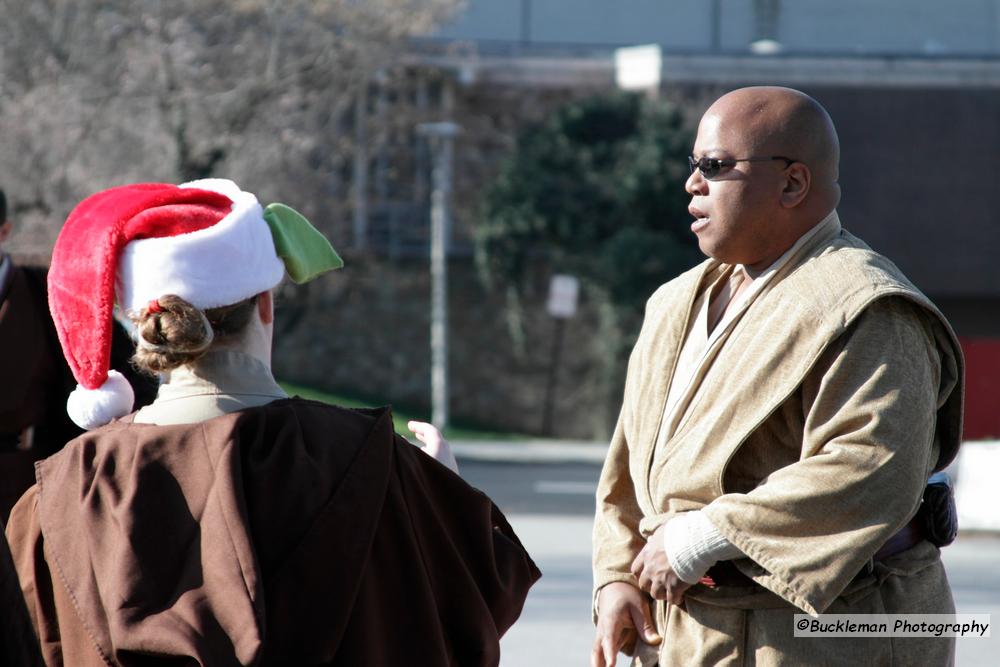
point(693, 544)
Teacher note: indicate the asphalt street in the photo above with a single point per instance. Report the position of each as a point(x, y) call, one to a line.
point(551, 506)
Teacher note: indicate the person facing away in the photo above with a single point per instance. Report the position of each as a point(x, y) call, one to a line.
point(786, 402)
point(33, 419)
point(226, 523)
point(28, 368)
point(32, 396)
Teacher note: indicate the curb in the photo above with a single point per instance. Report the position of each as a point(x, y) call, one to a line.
point(530, 451)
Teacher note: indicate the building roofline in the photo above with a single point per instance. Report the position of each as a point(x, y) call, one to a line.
point(593, 66)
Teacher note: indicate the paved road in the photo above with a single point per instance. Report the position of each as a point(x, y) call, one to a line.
point(551, 508)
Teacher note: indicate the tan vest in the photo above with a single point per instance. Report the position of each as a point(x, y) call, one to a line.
point(764, 361)
point(801, 316)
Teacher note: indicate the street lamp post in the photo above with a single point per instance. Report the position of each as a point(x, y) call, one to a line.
point(440, 136)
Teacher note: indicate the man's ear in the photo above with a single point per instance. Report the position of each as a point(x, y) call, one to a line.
point(265, 307)
point(797, 182)
point(5, 230)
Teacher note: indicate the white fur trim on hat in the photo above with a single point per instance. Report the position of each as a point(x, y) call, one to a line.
point(90, 408)
point(220, 265)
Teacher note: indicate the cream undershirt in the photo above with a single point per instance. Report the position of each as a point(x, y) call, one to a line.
point(692, 542)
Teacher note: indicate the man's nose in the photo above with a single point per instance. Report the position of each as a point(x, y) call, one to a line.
point(696, 184)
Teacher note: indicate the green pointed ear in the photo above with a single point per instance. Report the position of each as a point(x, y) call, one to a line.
point(305, 252)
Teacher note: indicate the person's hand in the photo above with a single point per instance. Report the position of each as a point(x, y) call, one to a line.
point(656, 577)
point(434, 445)
point(623, 616)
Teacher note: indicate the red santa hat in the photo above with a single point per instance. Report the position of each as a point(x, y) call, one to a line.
point(206, 241)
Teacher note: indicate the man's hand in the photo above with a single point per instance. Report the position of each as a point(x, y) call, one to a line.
point(652, 568)
point(622, 616)
point(435, 446)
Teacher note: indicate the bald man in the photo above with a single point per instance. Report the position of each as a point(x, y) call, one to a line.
point(785, 404)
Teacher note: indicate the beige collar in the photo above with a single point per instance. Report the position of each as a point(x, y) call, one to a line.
point(699, 347)
point(221, 382)
point(830, 223)
point(825, 228)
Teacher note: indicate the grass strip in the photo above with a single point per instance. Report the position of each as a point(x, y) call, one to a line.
point(400, 417)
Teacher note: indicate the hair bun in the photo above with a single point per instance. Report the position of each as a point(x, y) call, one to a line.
point(170, 333)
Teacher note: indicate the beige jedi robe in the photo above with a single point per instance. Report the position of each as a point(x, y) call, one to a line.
point(807, 441)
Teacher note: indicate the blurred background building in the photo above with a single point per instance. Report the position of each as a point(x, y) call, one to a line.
point(862, 27)
point(913, 86)
point(318, 104)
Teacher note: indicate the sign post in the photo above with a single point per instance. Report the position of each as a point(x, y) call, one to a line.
point(564, 292)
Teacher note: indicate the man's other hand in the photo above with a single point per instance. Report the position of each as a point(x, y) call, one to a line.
point(623, 616)
point(654, 573)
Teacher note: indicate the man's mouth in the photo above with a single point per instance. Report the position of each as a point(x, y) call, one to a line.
point(701, 219)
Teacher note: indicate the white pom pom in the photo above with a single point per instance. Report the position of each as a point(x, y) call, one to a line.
point(90, 408)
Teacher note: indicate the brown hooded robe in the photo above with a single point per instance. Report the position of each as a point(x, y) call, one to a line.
point(294, 533)
point(36, 381)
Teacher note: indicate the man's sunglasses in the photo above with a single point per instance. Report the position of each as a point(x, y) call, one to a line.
point(710, 167)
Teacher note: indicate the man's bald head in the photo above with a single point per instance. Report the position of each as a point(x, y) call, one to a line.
point(774, 175)
point(781, 121)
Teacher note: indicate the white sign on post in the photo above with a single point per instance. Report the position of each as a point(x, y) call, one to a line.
point(564, 291)
point(638, 67)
